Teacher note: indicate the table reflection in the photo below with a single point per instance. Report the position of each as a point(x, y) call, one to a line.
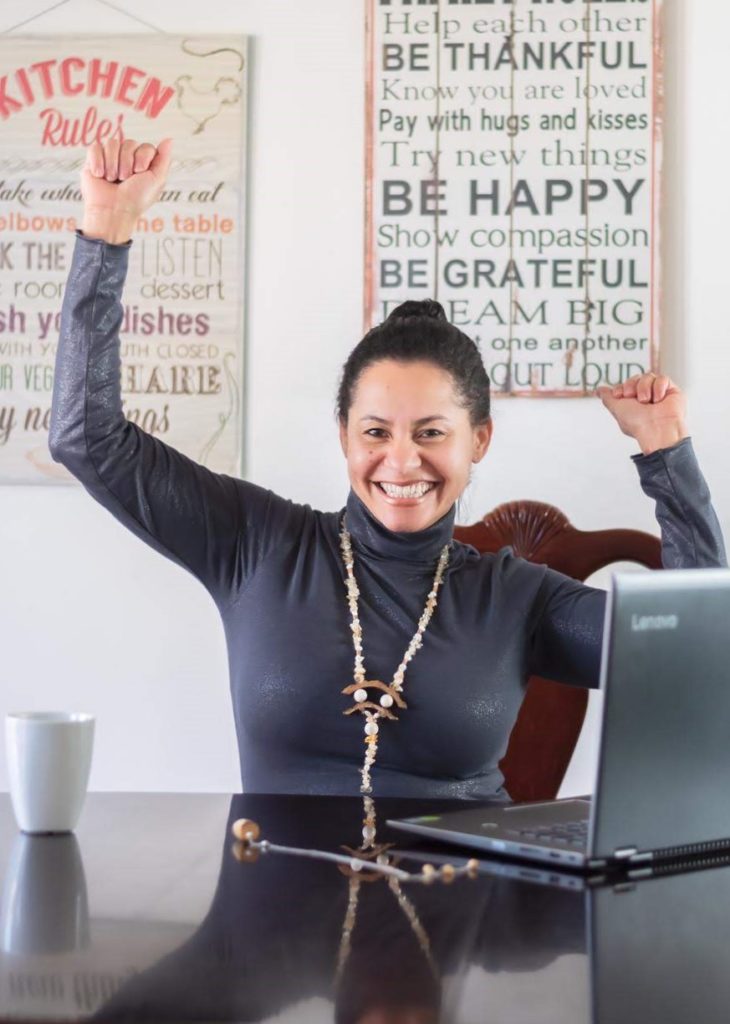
point(293, 938)
point(286, 930)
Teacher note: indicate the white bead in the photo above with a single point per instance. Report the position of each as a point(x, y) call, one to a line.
point(360, 695)
point(368, 832)
point(386, 701)
point(356, 864)
point(371, 729)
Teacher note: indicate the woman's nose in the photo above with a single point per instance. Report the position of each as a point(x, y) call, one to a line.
point(403, 455)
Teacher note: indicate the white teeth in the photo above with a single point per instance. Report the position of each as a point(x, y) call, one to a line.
point(412, 491)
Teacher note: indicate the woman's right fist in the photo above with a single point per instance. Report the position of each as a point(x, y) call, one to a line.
point(119, 183)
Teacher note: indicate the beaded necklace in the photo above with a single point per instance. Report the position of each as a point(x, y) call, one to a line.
point(390, 693)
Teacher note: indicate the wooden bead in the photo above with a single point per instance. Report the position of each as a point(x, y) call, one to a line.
point(245, 830)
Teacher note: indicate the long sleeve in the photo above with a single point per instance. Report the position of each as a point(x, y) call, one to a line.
point(215, 526)
point(569, 632)
point(691, 535)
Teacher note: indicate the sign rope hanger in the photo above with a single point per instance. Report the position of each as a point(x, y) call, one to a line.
point(62, 3)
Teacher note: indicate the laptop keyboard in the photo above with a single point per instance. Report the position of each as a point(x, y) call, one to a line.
point(568, 833)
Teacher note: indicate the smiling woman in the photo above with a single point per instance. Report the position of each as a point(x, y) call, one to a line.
point(309, 598)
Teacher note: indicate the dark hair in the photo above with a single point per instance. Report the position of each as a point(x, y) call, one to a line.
point(420, 332)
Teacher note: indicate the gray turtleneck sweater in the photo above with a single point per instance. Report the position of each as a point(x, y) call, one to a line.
point(275, 572)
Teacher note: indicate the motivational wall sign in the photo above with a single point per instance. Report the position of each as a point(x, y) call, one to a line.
point(513, 165)
point(182, 330)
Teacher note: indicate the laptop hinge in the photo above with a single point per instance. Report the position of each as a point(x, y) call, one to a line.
point(624, 852)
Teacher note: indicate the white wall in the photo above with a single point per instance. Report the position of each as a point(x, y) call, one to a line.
point(92, 619)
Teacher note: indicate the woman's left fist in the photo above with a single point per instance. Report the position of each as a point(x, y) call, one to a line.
point(649, 407)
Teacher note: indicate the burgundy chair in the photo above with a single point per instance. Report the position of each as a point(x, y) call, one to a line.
point(551, 716)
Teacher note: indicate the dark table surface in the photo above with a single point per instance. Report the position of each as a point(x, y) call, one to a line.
point(145, 914)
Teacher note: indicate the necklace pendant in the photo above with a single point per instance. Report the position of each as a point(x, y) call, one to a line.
point(388, 697)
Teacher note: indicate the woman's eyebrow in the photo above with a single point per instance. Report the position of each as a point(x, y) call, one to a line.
point(418, 423)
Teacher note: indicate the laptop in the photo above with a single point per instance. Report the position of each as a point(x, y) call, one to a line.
point(662, 789)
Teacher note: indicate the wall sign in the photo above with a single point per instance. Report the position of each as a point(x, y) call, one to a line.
point(513, 163)
point(182, 334)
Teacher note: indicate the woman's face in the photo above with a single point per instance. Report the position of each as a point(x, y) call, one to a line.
point(406, 429)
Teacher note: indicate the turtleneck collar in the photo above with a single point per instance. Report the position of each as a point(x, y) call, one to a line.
point(370, 537)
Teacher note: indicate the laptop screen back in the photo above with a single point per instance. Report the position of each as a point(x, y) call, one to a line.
point(664, 759)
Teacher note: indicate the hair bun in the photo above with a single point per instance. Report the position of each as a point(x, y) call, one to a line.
point(426, 307)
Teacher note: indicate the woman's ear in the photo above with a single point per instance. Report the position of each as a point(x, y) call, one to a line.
point(482, 439)
point(343, 437)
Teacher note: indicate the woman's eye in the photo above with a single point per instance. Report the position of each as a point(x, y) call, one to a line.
point(378, 431)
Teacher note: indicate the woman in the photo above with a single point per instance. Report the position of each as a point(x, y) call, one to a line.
point(323, 612)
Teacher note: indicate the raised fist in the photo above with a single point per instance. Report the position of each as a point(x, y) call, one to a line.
point(119, 183)
point(649, 407)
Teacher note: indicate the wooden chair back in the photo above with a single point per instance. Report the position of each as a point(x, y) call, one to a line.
point(551, 716)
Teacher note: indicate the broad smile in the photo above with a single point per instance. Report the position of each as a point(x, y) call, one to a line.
point(411, 493)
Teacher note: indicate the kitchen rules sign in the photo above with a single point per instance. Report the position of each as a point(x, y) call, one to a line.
point(513, 159)
point(182, 328)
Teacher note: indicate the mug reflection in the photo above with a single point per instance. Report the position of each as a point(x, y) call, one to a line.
point(44, 902)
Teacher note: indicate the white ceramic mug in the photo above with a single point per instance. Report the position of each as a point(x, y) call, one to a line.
point(49, 758)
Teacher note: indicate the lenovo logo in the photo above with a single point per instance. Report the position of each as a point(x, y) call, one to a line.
point(639, 623)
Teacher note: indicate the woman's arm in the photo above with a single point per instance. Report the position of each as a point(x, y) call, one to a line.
point(652, 409)
point(691, 534)
point(569, 615)
point(215, 526)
